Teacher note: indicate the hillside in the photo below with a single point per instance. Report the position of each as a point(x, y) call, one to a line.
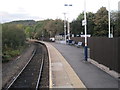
point(24, 22)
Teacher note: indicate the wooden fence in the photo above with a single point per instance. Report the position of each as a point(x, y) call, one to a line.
point(104, 50)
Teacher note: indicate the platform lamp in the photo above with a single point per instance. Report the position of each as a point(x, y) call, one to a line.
point(68, 24)
point(65, 26)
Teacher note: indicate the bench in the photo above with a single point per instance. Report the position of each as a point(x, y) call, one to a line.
point(79, 44)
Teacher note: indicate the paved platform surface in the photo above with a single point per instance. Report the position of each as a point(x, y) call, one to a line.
point(91, 76)
point(61, 73)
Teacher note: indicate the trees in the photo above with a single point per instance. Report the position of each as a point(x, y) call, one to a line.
point(40, 30)
point(115, 20)
point(76, 25)
point(54, 27)
point(97, 23)
point(90, 23)
point(114, 23)
point(101, 22)
point(29, 31)
point(13, 38)
point(48, 28)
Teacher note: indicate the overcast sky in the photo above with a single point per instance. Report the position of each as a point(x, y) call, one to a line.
point(11, 10)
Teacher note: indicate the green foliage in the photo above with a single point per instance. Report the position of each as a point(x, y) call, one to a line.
point(81, 16)
point(11, 53)
point(76, 25)
point(5, 58)
point(26, 25)
point(97, 23)
point(114, 23)
point(101, 22)
point(48, 28)
point(24, 22)
point(40, 30)
point(54, 27)
point(115, 20)
point(13, 37)
point(29, 31)
point(90, 23)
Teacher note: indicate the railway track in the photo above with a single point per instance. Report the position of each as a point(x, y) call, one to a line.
point(30, 76)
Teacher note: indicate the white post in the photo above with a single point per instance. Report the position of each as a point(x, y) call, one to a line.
point(68, 29)
point(109, 18)
point(65, 26)
point(85, 22)
point(68, 24)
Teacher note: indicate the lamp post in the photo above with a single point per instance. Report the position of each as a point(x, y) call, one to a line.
point(68, 31)
point(68, 24)
point(65, 26)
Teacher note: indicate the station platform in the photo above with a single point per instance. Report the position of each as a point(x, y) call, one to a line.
point(68, 69)
point(91, 75)
point(61, 73)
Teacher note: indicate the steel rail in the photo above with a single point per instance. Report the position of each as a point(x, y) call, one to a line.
point(40, 73)
point(21, 70)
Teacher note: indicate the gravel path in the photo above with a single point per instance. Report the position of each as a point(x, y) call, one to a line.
point(13, 67)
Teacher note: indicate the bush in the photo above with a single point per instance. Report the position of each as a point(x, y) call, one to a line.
point(8, 55)
point(13, 38)
point(6, 58)
point(14, 53)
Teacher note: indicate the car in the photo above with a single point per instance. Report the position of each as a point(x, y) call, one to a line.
point(52, 39)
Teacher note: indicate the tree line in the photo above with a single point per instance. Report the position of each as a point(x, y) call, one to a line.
point(14, 34)
point(97, 23)
point(48, 28)
point(13, 38)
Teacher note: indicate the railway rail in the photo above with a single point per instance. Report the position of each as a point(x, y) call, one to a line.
point(30, 76)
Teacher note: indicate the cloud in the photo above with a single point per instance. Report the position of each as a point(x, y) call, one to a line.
point(119, 5)
point(7, 17)
point(37, 9)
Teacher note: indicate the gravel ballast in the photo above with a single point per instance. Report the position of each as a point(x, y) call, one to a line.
point(13, 67)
